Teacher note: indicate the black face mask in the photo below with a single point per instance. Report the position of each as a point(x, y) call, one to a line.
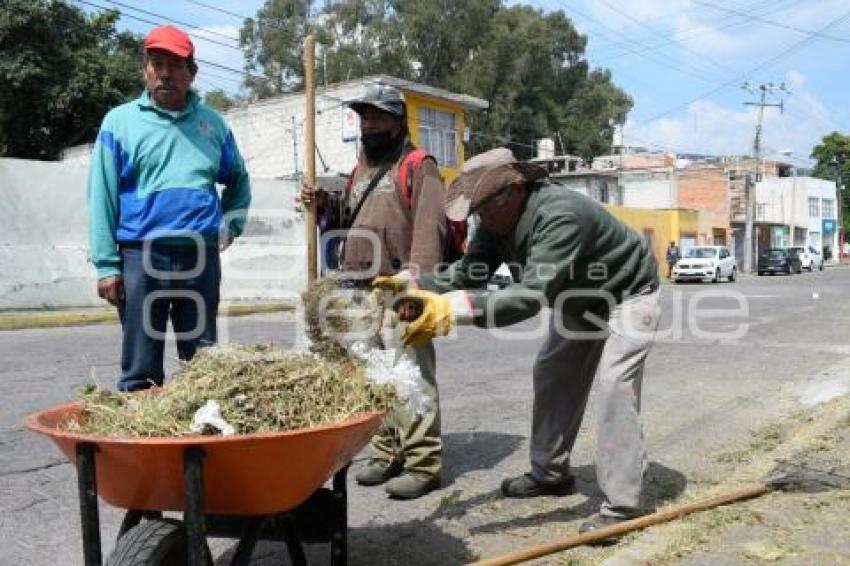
point(380, 146)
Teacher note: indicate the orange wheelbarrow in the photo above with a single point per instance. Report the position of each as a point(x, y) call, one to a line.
point(265, 486)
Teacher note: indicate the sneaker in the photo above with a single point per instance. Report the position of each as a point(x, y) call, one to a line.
point(526, 486)
point(411, 485)
point(377, 471)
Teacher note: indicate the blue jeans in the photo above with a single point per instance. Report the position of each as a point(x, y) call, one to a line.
point(180, 282)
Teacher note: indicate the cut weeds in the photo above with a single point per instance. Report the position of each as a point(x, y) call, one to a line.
point(258, 388)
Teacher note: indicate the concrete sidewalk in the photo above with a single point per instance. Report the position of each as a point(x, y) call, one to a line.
point(17, 320)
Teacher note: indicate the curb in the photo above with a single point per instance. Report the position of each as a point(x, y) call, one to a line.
point(19, 320)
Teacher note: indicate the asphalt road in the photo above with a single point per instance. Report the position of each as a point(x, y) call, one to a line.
point(730, 359)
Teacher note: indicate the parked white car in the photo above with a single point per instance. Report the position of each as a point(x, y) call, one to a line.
point(706, 262)
point(806, 259)
point(817, 258)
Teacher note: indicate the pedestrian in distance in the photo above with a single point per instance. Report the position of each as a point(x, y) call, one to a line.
point(599, 278)
point(156, 221)
point(393, 201)
point(673, 256)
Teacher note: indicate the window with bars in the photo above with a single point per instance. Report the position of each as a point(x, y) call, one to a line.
point(814, 207)
point(828, 208)
point(761, 211)
point(437, 134)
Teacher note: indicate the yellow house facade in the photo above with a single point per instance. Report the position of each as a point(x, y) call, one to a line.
point(660, 227)
point(436, 121)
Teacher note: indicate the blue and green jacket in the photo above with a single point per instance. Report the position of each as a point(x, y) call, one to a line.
point(154, 173)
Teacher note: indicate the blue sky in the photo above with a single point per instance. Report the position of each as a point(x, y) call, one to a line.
point(682, 61)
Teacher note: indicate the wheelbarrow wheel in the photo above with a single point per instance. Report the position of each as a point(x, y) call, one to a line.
point(160, 542)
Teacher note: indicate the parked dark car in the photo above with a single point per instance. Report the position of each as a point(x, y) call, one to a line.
point(778, 260)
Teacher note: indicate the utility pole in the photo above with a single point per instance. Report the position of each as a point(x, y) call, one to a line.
point(754, 177)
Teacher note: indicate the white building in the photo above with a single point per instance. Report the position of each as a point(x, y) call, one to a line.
point(821, 208)
point(796, 211)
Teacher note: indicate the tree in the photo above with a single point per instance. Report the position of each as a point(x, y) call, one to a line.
point(531, 68)
point(528, 65)
point(60, 72)
point(219, 100)
point(833, 164)
point(274, 46)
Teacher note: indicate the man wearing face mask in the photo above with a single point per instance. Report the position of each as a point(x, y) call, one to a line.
point(397, 224)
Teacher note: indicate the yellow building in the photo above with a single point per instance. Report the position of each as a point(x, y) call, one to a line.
point(436, 121)
point(660, 227)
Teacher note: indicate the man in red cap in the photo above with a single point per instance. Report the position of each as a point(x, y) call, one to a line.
point(156, 221)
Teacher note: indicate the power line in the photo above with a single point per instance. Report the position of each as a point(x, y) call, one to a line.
point(668, 39)
point(155, 23)
point(167, 18)
point(665, 59)
point(772, 23)
point(798, 45)
point(217, 9)
point(731, 21)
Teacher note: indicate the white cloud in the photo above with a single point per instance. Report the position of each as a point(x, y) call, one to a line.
point(719, 34)
point(713, 128)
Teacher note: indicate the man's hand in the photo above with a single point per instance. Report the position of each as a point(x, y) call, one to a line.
point(311, 193)
point(111, 289)
point(224, 242)
point(440, 315)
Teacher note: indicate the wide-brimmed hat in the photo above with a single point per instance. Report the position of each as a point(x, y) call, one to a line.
point(171, 39)
point(485, 175)
point(380, 96)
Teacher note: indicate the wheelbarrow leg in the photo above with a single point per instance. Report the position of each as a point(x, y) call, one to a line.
point(339, 520)
point(293, 542)
point(87, 486)
point(248, 541)
point(194, 518)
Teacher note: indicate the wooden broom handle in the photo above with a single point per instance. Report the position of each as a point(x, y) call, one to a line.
point(310, 153)
point(656, 518)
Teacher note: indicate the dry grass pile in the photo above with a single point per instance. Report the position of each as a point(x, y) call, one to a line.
point(258, 388)
point(334, 315)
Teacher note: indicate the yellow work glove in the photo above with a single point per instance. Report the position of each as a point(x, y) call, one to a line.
point(440, 315)
point(397, 283)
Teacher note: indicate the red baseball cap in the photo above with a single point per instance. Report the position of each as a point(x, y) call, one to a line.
point(170, 39)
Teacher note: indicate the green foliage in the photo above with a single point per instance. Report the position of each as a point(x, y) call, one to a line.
point(833, 163)
point(219, 100)
point(60, 72)
point(528, 65)
point(274, 46)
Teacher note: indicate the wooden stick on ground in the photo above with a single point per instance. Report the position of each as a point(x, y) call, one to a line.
point(656, 518)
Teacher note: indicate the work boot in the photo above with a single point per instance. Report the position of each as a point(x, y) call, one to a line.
point(597, 521)
point(411, 485)
point(526, 486)
point(377, 471)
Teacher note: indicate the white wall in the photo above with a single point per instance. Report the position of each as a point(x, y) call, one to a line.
point(44, 243)
point(785, 201)
point(649, 189)
point(270, 134)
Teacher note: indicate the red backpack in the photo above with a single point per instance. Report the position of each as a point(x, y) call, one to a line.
point(455, 244)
